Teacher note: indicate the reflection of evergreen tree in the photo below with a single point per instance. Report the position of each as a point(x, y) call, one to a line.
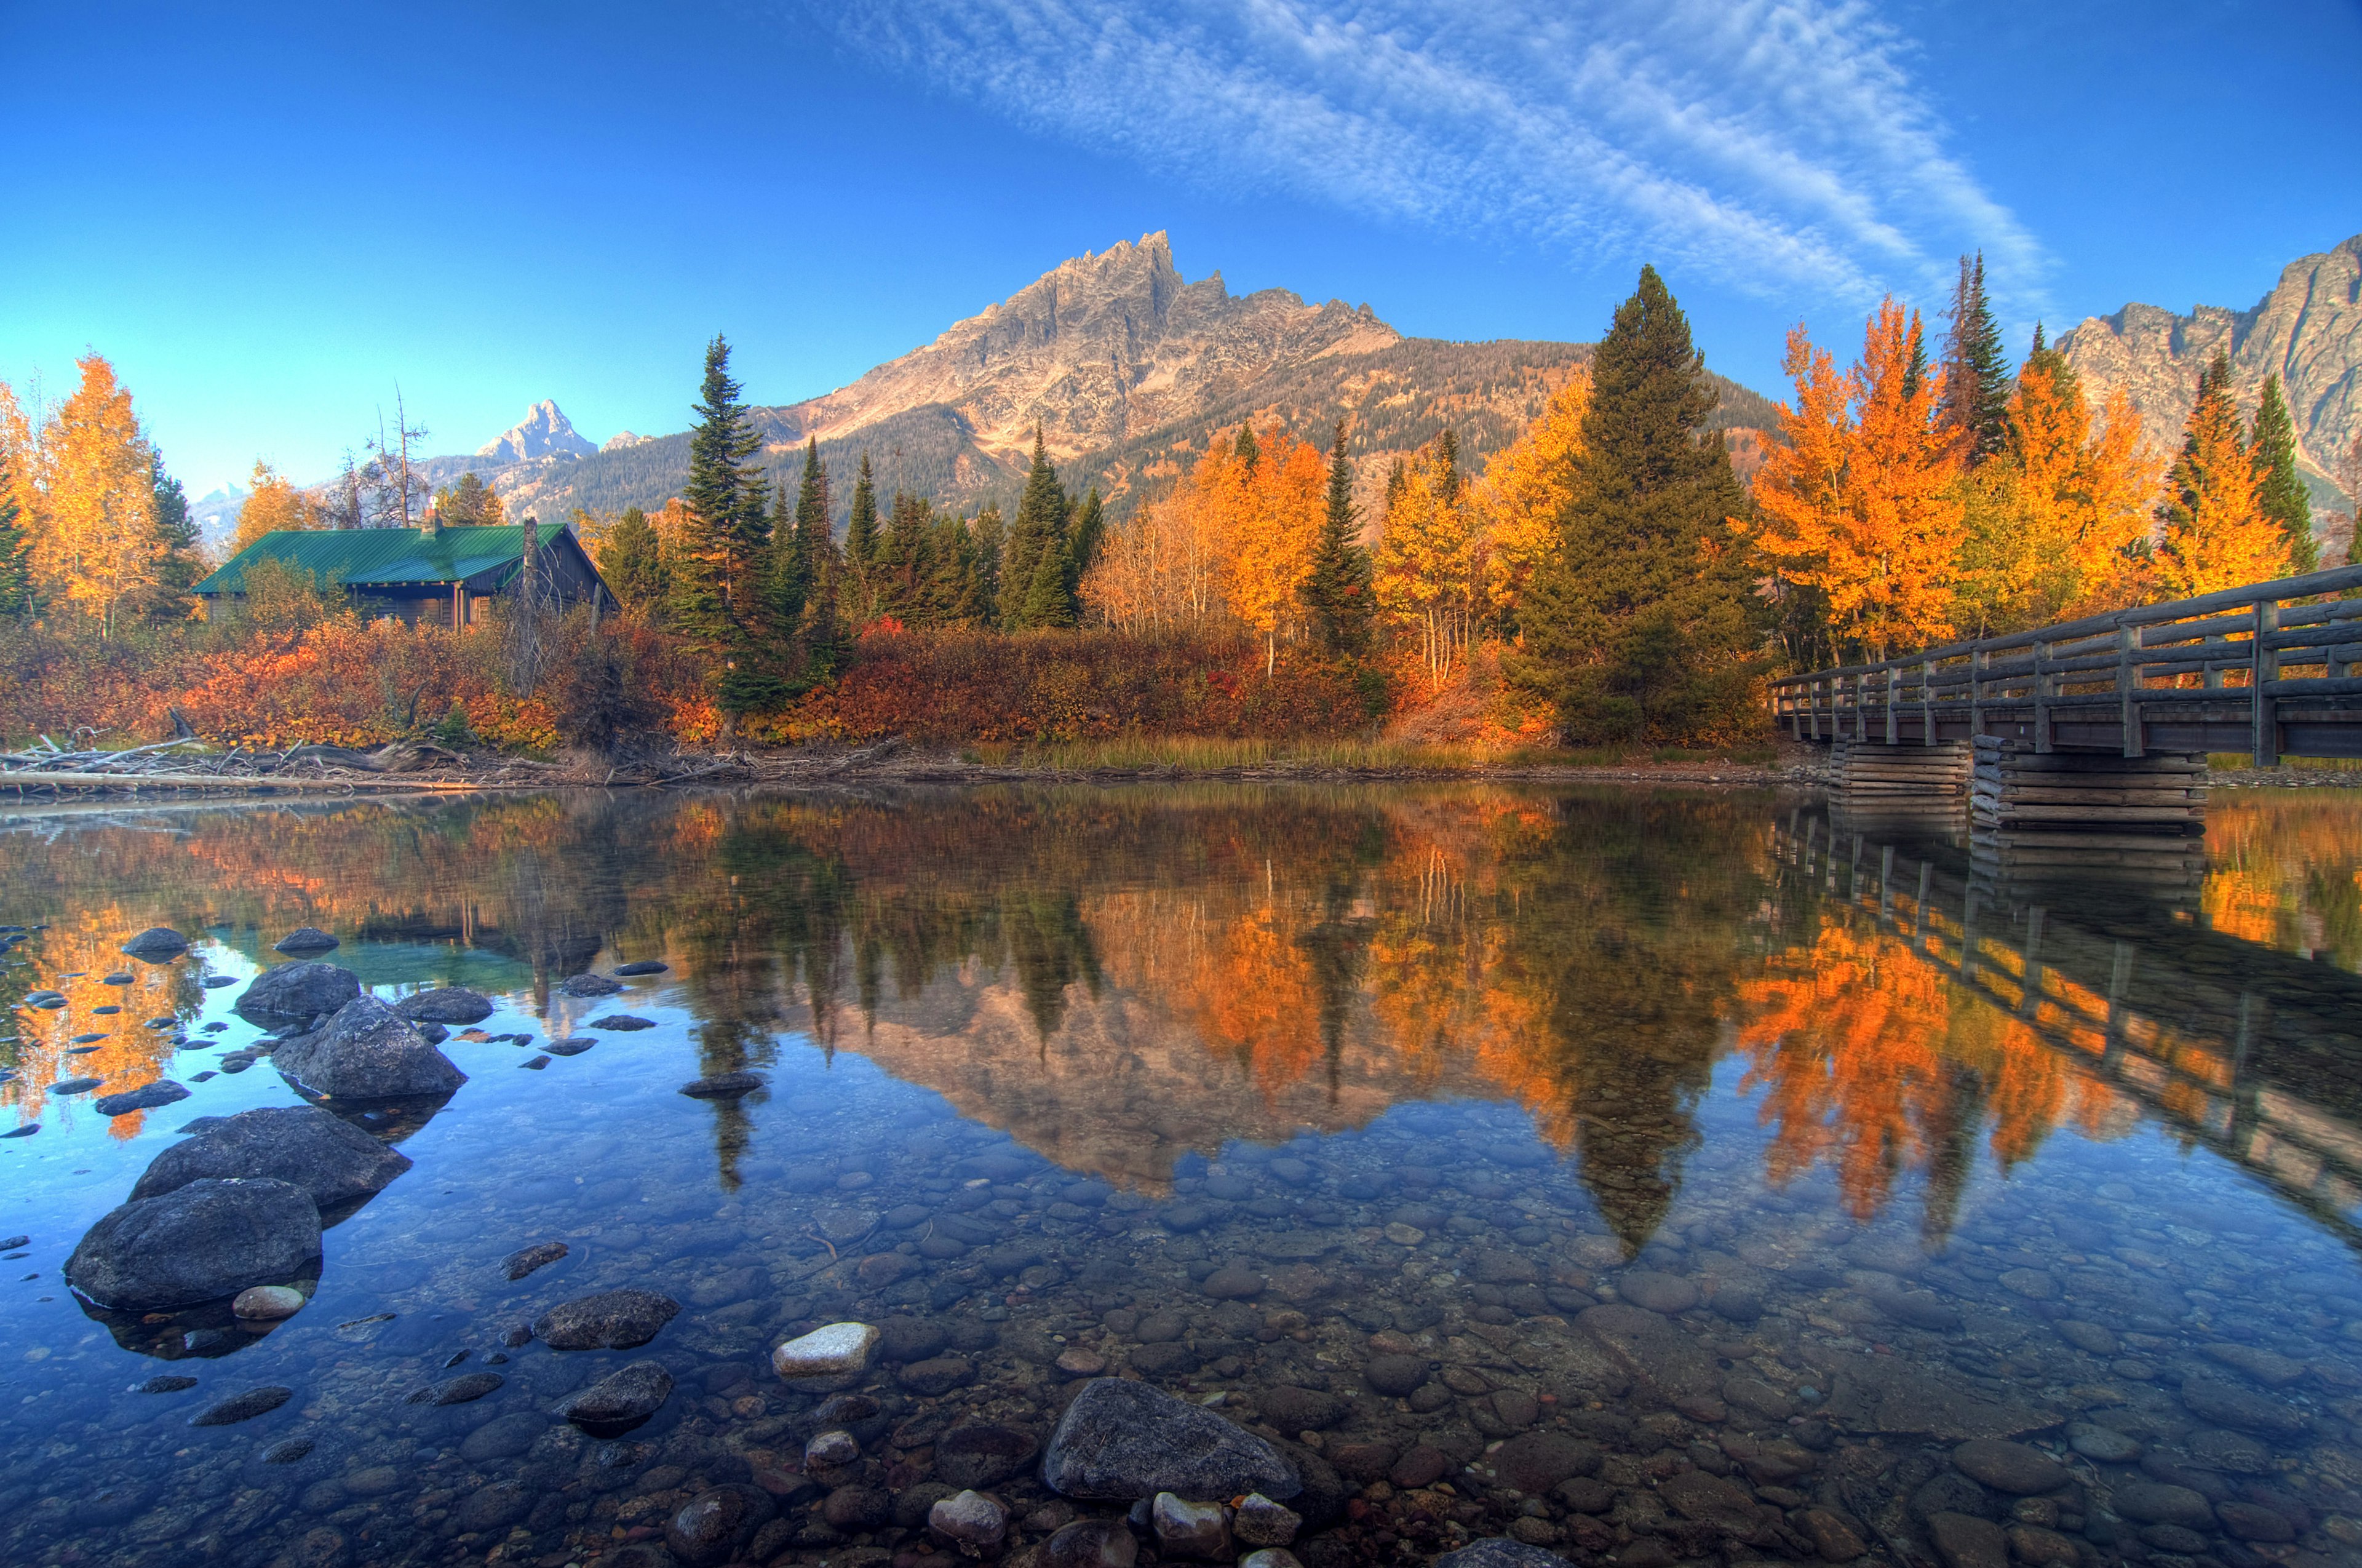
point(1050, 950)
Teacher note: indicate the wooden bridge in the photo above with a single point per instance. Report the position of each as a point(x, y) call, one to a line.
point(2267, 670)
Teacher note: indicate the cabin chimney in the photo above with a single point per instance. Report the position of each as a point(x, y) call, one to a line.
point(431, 525)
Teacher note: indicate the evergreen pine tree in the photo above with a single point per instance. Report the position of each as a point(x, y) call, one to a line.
point(1038, 534)
point(1447, 458)
point(182, 565)
point(988, 544)
point(728, 501)
point(632, 560)
point(2281, 492)
point(15, 556)
point(1083, 541)
point(1335, 591)
point(1049, 601)
point(1247, 450)
point(1638, 627)
point(1975, 397)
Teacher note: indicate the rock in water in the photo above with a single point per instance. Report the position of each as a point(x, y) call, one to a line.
point(243, 1406)
point(305, 939)
point(1499, 1551)
point(1190, 1529)
point(1123, 1441)
point(525, 1260)
point(267, 1303)
point(645, 966)
point(980, 1454)
point(326, 1155)
point(970, 1523)
point(297, 993)
point(839, 1347)
point(163, 1091)
point(465, 1389)
point(158, 943)
point(206, 1239)
point(622, 1023)
point(612, 1320)
point(367, 1052)
point(1091, 1543)
point(725, 1086)
point(590, 985)
point(712, 1526)
point(619, 1400)
point(445, 1004)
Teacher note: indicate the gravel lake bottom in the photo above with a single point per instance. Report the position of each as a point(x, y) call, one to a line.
point(1625, 1177)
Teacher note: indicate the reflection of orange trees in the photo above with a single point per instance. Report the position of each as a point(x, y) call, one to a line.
point(1872, 1062)
point(2286, 870)
point(1251, 997)
point(87, 942)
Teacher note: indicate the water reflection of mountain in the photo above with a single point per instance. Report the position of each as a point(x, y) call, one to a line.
point(1117, 978)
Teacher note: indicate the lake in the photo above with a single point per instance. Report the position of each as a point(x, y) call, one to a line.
point(1651, 1177)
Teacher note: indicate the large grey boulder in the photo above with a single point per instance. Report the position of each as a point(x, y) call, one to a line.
point(365, 1052)
point(1123, 1441)
point(621, 1398)
point(297, 993)
point(198, 1243)
point(446, 1004)
point(328, 1157)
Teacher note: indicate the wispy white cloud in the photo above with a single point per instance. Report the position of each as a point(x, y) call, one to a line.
point(1779, 144)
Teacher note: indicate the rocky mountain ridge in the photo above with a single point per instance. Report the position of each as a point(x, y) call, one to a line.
point(2307, 330)
point(1127, 368)
point(543, 431)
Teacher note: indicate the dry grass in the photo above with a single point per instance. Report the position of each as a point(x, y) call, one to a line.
point(1204, 754)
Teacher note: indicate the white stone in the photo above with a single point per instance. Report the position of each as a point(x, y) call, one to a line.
point(839, 1347)
point(830, 1449)
point(267, 1303)
point(1261, 1523)
point(970, 1521)
point(1191, 1529)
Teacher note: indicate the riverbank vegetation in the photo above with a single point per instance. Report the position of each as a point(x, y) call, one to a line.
point(1607, 580)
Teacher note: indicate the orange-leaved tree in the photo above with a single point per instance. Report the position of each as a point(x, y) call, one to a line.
point(94, 538)
point(1275, 493)
point(1428, 568)
point(1860, 503)
point(2216, 533)
point(1524, 494)
point(273, 505)
point(2058, 527)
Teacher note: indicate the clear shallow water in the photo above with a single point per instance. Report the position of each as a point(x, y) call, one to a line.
point(1717, 1166)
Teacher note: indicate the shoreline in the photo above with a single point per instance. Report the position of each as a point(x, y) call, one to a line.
point(888, 762)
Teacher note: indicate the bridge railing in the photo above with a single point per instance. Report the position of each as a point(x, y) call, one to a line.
point(2232, 649)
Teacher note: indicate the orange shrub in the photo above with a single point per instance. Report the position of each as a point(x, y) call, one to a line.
point(958, 684)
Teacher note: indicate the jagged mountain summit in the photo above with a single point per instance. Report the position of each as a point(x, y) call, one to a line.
point(543, 431)
point(2308, 330)
point(1126, 368)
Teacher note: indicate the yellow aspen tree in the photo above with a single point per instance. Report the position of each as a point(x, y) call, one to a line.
point(1275, 517)
point(1427, 564)
point(2216, 533)
point(273, 505)
point(1525, 491)
point(1862, 504)
point(99, 545)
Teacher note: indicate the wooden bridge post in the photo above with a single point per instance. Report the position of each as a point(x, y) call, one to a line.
point(2264, 667)
point(2041, 698)
point(1977, 658)
point(1926, 701)
point(2128, 681)
point(1862, 706)
point(1891, 673)
point(1815, 700)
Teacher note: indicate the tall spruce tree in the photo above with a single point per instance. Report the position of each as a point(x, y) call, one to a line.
point(1975, 401)
point(2281, 492)
point(1336, 591)
point(1638, 626)
point(1084, 537)
point(182, 565)
point(16, 555)
point(1246, 449)
point(861, 528)
point(632, 560)
point(729, 531)
point(1038, 534)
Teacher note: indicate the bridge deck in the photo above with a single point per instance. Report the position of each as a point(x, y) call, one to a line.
point(2214, 673)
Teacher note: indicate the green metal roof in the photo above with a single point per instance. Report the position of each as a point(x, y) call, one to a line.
point(359, 558)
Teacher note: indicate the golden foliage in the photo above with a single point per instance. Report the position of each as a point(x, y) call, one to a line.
point(1525, 490)
point(1430, 567)
point(273, 505)
point(2217, 534)
point(1861, 502)
point(94, 535)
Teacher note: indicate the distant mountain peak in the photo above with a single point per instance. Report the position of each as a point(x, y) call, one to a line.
point(623, 439)
point(543, 431)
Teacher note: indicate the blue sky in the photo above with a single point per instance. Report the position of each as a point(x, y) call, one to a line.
point(270, 216)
